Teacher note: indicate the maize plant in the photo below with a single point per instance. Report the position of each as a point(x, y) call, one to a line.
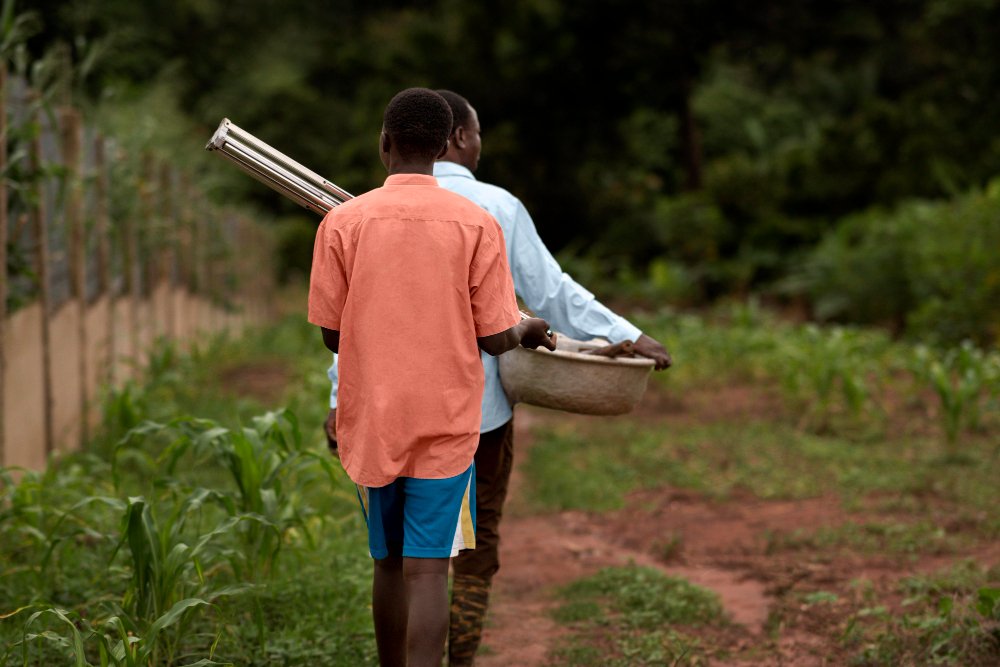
point(959, 378)
point(266, 462)
point(112, 642)
point(170, 578)
point(826, 369)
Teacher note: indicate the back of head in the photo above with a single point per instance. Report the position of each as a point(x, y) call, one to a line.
point(460, 108)
point(418, 122)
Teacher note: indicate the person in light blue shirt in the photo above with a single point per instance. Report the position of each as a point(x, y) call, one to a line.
point(552, 295)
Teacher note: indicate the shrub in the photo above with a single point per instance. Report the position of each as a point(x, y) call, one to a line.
point(930, 268)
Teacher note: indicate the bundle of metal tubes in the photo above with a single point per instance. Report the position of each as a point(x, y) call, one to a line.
point(275, 169)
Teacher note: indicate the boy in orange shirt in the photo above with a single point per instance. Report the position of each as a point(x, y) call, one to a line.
point(408, 282)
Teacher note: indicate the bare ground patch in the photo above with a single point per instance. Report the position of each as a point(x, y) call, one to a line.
point(263, 381)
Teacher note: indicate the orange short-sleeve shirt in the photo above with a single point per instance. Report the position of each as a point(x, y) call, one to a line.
point(410, 274)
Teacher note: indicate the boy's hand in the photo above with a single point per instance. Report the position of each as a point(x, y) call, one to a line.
point(652, 349)
point(535, 332)
point(330, 426)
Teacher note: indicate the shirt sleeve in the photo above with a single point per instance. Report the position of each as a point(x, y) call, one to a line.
point(327, 279)
point(554, 295)
point(334, 383)
point(491, 288)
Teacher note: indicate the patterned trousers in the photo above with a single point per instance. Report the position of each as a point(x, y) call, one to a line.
point(474, 569)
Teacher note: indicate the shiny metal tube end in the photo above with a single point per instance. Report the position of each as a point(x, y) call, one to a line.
point(218, 139)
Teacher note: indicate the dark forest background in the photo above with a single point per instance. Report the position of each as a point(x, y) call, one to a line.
point(839, 157)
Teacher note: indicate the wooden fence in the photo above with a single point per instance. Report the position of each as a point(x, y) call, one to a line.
point(104, 251)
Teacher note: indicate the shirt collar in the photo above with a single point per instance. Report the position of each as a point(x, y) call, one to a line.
point(410, 179)
point(445, 168)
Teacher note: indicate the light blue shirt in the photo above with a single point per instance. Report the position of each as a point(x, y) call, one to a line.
point(538, 280)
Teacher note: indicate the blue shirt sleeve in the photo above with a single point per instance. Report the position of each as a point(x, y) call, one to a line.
point(332, 374)
point(553, 294)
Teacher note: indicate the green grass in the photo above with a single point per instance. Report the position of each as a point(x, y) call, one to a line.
point(630, 616)
point(836, 379)
point(594, 470)
point(315, 612)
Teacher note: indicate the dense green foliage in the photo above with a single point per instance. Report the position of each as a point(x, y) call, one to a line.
point(931, 268)
point(699, 147)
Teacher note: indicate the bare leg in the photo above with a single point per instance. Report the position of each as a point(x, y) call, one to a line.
point(427, 623)
point(389, 608)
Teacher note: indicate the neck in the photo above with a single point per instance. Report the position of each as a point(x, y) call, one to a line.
point(456, 157)
point(410, 167)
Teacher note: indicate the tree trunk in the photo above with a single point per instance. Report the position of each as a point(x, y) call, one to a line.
point(690, 141)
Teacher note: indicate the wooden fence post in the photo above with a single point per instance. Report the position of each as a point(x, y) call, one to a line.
point(184, 264)
point(71, 143)
point(42, 269)
point(131, 258)
point(239, 272)
point(3, 260)
point(168, 259)
point(103, 233)
point(202, 266)
point(149, 259)
point(209, 267)
point(185, 248)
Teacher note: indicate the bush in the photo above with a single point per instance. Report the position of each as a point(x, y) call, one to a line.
point(954, 268)
point(930, 268)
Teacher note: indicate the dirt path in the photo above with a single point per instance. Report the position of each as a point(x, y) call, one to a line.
point(718, 546)
point(541, 553)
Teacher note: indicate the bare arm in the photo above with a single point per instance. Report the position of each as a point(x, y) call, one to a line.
point(331, 339)
point(530, 333)
point(499, 343)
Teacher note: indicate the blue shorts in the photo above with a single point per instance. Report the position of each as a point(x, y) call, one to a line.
point(421, 518)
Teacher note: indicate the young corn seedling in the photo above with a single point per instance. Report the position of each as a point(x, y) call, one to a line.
point(46, 512)
point(113, 643)
point(169, 579)
point(71, 647)
point(958, 378)
point(120, 647)
point(826, 370)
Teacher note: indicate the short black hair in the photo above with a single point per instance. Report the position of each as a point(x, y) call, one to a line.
point(461, 110)
point(418, 122)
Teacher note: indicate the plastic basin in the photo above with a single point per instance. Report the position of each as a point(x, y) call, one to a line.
point(569, 380)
